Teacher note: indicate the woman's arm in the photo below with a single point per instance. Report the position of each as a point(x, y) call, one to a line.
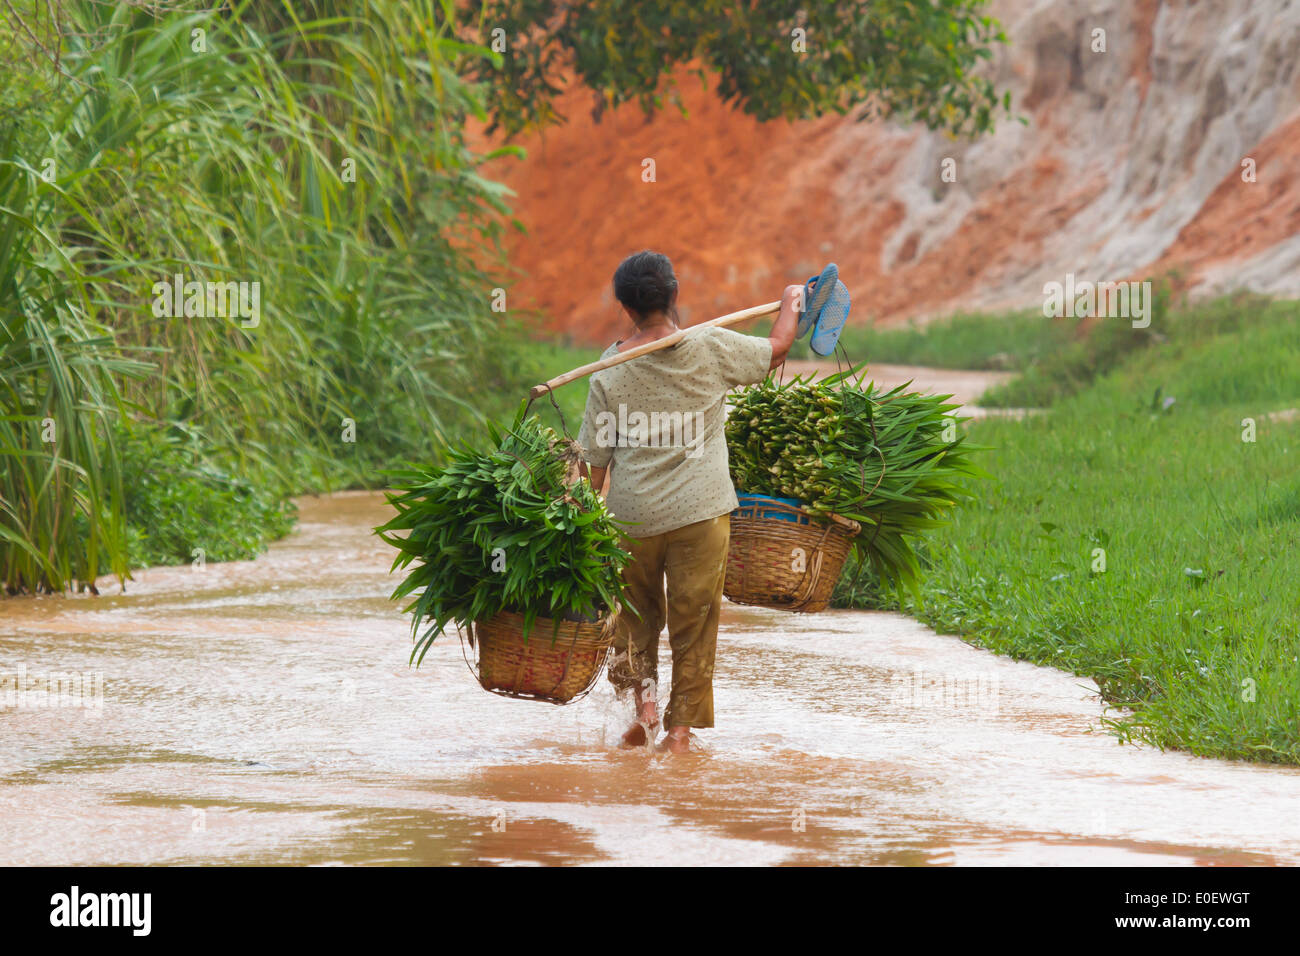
point(596, 476)
point(787, 322)
point(589, 437)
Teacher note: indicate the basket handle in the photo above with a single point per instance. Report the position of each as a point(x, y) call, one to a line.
point(812, 574)
point(568, 661)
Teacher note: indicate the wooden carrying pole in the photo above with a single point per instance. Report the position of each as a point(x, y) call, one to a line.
point(668, 341)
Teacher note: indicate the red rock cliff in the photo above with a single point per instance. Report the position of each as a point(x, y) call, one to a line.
point(1131, 163)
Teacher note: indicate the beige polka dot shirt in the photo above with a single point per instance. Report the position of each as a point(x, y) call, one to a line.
point(659, 419)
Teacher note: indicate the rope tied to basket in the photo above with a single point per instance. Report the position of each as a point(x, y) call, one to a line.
point(550, 393)
point(570, 453)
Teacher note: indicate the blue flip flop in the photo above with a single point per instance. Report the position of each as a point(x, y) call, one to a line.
point(815, 294)
point(830, 320)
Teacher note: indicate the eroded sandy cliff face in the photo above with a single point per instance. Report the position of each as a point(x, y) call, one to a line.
point(1130, 164)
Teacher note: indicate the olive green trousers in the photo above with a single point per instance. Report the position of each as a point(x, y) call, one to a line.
point(692, 562)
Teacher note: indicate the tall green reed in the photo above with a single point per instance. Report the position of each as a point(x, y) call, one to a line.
point(313, 148)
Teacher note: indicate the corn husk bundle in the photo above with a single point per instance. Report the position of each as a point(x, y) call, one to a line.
point(844, 447)
point(509, 528)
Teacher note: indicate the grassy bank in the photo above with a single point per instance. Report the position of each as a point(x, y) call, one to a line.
point(1137, 535)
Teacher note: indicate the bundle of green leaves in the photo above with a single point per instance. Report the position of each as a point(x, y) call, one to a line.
point(893, 461)
point(513, 528)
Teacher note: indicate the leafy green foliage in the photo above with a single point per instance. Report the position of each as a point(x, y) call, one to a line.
point(315, 148)
point(841, 446)
point(913, 60)
point(58, 392)
point(513, 527)
point(177, 500)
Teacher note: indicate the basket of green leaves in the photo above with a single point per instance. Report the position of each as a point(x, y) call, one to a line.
point(513, 546)
point(870, 471)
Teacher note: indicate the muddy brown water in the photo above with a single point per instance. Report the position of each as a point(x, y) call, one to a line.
point(264, 712)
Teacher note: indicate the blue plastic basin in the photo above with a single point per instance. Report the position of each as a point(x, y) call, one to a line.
point(757, 501)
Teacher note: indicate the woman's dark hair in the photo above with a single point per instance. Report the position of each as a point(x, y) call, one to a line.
point(645, 283)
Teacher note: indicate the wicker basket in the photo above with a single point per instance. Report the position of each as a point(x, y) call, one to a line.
point(557, 671)
point(762, 561)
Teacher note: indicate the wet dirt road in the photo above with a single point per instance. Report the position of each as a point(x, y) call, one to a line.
point(263, 712)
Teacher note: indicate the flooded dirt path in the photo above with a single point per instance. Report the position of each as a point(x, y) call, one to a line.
point(263, 712)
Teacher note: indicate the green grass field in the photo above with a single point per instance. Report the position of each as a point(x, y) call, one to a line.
point(1137, 535)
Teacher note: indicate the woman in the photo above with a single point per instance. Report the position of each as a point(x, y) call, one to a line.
point(654, 425)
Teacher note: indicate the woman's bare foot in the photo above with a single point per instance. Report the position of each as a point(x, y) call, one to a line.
point(634, 736)
point(647, 722)
point(677, 740)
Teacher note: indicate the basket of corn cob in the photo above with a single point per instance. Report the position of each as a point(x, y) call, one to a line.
point(870, 471)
